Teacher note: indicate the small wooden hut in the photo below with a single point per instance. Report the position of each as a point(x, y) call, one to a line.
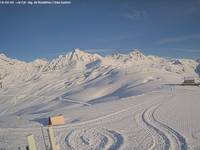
point(57, 120)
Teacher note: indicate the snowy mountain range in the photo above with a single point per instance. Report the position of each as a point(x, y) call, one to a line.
point(12, 69)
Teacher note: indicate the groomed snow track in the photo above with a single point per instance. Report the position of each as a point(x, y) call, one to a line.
point(164, 137)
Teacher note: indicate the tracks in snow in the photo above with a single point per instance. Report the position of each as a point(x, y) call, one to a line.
point(164, 137)
point(74, 101)
point(93, 138)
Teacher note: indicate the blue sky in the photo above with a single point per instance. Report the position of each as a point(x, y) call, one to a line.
point(166, 28)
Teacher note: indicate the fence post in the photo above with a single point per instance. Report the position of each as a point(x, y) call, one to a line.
point(45, 144)
point(31, 142)
point(52, 139)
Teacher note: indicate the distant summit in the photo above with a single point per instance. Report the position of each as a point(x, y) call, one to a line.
point(136, 52)
point(75, 58)
point(79, 55)
point(136, 55)
point(2, 55)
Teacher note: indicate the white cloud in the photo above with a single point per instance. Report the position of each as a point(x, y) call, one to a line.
point(134, 14)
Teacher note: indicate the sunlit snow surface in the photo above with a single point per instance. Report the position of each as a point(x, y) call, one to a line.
point(114, 102)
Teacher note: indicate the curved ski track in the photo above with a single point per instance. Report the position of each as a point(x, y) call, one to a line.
point(164, 137)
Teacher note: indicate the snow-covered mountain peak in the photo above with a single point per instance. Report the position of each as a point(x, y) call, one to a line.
point(177, 62)
point(75, 58)
point(116, 55)
point(4, 60)
point(136, 53)
point(135, 56)
point(3, 55)
point(77, 50)
point(79, 55)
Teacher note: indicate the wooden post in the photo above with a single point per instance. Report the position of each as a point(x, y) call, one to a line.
point(52, 139)
point(31, 142)
point(45, 144)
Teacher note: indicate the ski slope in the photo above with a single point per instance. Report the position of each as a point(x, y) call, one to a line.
point(113, 102)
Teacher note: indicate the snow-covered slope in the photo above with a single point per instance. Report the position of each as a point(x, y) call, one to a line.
point(112, 99)
point(89, 77)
